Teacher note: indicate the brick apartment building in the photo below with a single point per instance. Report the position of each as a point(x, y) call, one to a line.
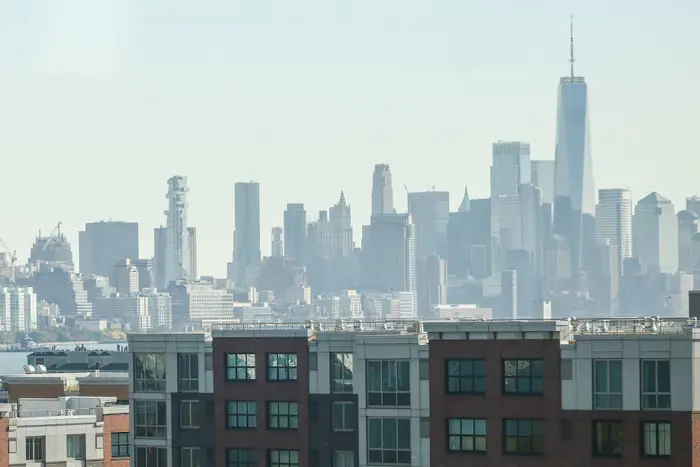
point(438, 393)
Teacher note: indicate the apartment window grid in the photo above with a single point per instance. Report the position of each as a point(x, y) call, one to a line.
point(341, 373)
point(150, 419)
point(523, 437)
point(465, 376)
point(608, 438)
point(240, 367)
point(190, 457)
point(656, 438)
point(466, 435)
point(241, 458)
point(35, 448)
point(75, 447)
point(656, 384)
point(188, 372)
point(149, 372)
point(283, 458)
point(389, 440)
point(388, 383)
point(242, 414)
point(343, 459)
point(282, 367)
point(523, 377)
point(283, 415)
point(190, 411)
point(343, 416)
point(147, 456)
point(607, 383)
point(120, 445)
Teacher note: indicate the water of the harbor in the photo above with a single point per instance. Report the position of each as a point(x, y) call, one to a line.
point(13, 362)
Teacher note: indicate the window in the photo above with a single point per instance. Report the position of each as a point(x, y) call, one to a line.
point(147, 456)
point(283, 415)
point(466, 435)
point(240, 366)
point(343, 416)
point(465, 376)
point(149, 372)
point(120, 445)
point(343, 459)
point(607, 380)
point(389, 441)
point(188, 372)
point(522, 376)
point(524, 437)
point(656, 384)
point(657, 439)
point(35, 446)
point(75, 447)
point(242, 414)
point(282, 367)
point(190, 414)
point(240, 458)
point(388, 383)
point(149, 419)
point(607, 438)
point(190, 457)
point(341, 373)
point(284, 458)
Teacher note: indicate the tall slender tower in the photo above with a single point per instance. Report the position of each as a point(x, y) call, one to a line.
point(246, 236)
point(177, 251)
point(382, 190)
point(573, 178)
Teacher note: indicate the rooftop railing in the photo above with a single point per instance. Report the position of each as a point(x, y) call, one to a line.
point(641, 325)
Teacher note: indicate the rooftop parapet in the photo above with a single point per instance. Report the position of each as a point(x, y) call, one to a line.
point(631, 326)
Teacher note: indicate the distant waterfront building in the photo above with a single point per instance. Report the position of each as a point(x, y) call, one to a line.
point(613, 216)
point(687, 230)
point(18, 309)
point(382, 190)
point(103, 244)
point(246, 236)
point(277, 247)
point(655, 234)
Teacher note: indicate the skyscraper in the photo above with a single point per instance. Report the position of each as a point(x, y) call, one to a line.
point(382, 190)
point(655, 234)
point(277, 242)
point(192, 245)
point(340, 217)
point(613, 215)
point(543, 177)
point(103, 244)
point(573, 177)
point(246, 236)
point(295, 242)
point(510, 167)
point(177, 251)
point(389, 252)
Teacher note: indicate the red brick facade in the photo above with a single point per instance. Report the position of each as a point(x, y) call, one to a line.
point(114, 424)
point(4, 444)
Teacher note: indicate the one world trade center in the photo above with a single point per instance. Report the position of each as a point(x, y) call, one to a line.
point(573, 172)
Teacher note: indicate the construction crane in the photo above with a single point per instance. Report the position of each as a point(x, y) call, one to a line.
point(55, 233)
point(13, 258)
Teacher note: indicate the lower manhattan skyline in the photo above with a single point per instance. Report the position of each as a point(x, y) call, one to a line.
point(92, 132)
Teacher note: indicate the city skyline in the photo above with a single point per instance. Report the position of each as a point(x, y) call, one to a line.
point(434, 137)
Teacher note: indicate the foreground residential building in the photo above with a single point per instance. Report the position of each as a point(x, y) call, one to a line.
point(435, 393)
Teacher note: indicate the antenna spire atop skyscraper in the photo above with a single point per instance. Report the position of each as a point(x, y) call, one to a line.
point(571, 45)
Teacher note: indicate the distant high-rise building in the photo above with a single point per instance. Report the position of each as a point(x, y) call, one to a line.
point(573, 178)
point(510, 167)
point(246, 250)
point(18, 309)
point(389, 253)
point(655, 234)
point(160, 253)
point(192, 245)
point(340, 217)
point(382, 190)
point(613, 215)
point(543, 177)
point(177, 252)
point(687, 230)
point(277, 241)
point(104, 244)
point(693, 204)
point(295, 241)
point(458, 239)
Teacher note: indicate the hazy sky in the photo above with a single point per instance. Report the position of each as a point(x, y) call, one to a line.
point(102, 101)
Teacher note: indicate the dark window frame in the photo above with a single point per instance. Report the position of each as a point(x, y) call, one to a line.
point(275, 415)
point(120, 444)
point(30, 445)
point(149, 376)
point(158, 409)
point(339, 376)
point(395, 451)
point(657, 438)
point(607, 397)
point(526, 444)
point(234, 369)
point(655, 398)
point(462, 435)
point(345, 408)
point(241, 457)
point(282, 367)
point(519, 374)
point(187, 364)
point(237, 415)
point(604, 437)
point(379, 393)
point(291, 453)
point(469, 377)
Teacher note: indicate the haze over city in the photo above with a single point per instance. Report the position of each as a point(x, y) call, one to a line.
point(107, 100)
